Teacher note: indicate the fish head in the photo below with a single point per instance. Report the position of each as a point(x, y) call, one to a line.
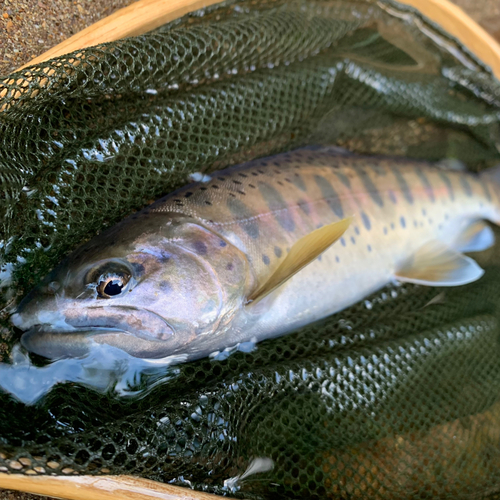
point(152, 289)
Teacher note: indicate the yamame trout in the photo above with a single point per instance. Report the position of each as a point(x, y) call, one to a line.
point(259, 250)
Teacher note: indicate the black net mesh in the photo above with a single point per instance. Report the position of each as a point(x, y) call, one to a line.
point(392, 398)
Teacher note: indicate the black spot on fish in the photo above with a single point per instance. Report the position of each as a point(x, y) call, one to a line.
point(277, 252)
point(163, 258)
point(222, 243)
point(222, 179)
point(366, 221)
point(353, 241)
point(242, 175)
point(448, 184)
point(330, 195)
point(277, 204)
point(425, 182)
point(403, 186)
point(356, 230)
point(230, 266)
point(378, 169)
point(237, 182)
point(203, 189)
point(369, 248)
point(252, 186)
point(342, 241)
point(392, 196)
point(265, 259)
point(337, 258)
point(299, 182)
point(244, 215)
point(402, 222)
point(165, 287)
point(214, 186)
point(370, 187)
point(138, 269)
point(344, 179)
point(188, 194)
point(208, 203)
point(200, 247)
point(304, 206)
point(466, 186)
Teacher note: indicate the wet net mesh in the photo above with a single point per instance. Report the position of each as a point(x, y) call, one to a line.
point(393, 398)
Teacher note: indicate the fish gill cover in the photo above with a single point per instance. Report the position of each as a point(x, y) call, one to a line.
point(396, 397)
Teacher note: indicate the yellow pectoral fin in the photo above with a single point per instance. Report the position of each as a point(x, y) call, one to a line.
point(302, 253)
point(435, 264)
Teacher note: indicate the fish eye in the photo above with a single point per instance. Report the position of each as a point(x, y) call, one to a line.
point(109, 279)
point(112, 285)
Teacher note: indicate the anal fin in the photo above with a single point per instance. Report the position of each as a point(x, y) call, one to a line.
point(435, 264)
point(477, 237)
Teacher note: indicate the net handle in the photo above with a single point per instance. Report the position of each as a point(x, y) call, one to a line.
point(146, 15)
point(99, 488)
point(457, 23)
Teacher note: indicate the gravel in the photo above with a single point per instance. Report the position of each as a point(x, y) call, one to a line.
point(30, 27)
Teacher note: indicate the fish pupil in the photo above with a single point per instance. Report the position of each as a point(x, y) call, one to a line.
point(113, 287)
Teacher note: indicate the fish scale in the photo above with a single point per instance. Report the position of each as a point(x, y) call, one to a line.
point(259, 250)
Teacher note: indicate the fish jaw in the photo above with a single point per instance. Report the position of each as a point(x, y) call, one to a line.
point(78, 343)
point(72, 332)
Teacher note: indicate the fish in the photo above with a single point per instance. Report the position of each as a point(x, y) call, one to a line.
point(258, 250)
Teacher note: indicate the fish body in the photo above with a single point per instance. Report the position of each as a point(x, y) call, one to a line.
point(185, 275)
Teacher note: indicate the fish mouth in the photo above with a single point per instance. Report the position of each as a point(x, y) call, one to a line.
point(139, 332)
point(77, 343)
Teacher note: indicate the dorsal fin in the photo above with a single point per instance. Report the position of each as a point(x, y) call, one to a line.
point(304, 251)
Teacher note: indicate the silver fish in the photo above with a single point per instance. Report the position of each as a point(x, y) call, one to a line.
point(258, 250)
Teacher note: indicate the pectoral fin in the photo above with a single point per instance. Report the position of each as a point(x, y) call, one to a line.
point(435, 264)
point(302, 253)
